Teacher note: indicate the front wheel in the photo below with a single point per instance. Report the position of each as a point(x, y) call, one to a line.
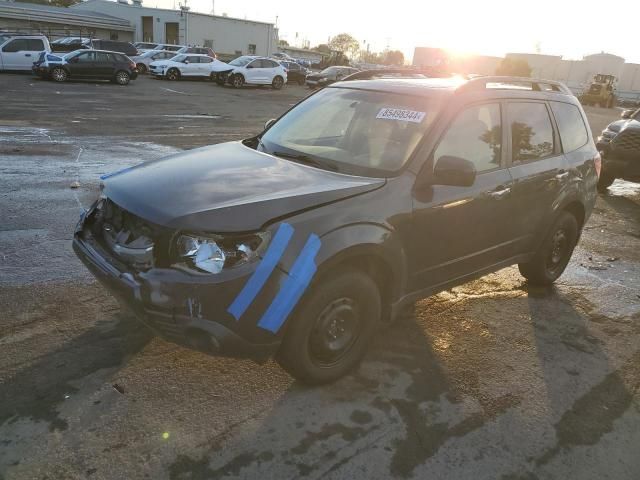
point(173, 74)
point(329, 333)
point(605, 182)
point(554, 253)
point(59, 74)
point(277, 83)
point(122, 78)
point(237, 80)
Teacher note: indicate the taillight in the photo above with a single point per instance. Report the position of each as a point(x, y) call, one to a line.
point(598, 163)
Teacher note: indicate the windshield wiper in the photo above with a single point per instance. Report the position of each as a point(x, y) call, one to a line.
point(299, 157)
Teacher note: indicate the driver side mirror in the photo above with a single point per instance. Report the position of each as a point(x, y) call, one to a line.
point(269, 122)
point(73, 60)
point(186, 61)
point(250, 66)
point(454, 171)
point(626, 114)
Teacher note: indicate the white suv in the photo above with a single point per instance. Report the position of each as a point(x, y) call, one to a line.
point(253, 70)
point(144, 60)
point(19, 52)
point(192, 65)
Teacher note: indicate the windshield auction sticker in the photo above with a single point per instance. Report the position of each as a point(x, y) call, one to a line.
point(400, 114)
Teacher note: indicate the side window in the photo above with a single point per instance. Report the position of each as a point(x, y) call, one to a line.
point(103, 57)
point(193, 59)
point(17, 45)
point(273, 64)
point(206, 60)
point(475, 135)
point(35, 45)
point(573, 132)
point(86, 57)
point(531, 131)
point(256, 64)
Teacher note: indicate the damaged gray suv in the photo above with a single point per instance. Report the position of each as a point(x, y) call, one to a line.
point(364, 197)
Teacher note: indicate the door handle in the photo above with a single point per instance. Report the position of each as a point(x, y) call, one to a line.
point(499, 193)
point(562, 175)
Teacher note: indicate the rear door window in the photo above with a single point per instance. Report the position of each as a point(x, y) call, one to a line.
point(531, 131)
point(103, 57)
point(35, 45)
point(206, 59)
point(573, 131)
point(475, 135)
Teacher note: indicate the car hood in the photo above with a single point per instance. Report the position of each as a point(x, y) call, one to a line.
point(616, 126)
point(227, 188)
point(630, 124)
point(219, 66)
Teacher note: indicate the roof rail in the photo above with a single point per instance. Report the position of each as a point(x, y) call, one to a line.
point(536, 84)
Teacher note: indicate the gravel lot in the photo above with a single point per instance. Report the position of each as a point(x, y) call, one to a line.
point(491, 380)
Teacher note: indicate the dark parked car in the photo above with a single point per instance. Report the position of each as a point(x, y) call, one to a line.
point(295, 73)
point(363, 198)
point(328, 76)
point(619, 145)
point(71, 44)
point(86, 65)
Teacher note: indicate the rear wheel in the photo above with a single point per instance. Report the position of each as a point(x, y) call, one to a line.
point(554, 253)
point(605, 182)
point(122, 78)
point(173, 74)
point(277, 82)
point(142, 68)
point(59, 74)
point(237, 80)
point(331, 330)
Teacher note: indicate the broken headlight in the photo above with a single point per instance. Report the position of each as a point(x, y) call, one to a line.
point(212, 254)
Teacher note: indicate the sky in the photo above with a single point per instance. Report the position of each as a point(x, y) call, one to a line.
point(570, 28)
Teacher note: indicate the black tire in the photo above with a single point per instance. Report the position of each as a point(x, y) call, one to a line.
point(237, 80)
point(554, 253)
point(122, 78)
point(605, 182)
point(59, 74)
point(331, 329)
point(173, 74)
point(277, 82)
point(142, 68)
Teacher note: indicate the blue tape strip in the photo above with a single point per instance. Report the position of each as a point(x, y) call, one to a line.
point(113, 174)
point(303, 270)
point(265, 267)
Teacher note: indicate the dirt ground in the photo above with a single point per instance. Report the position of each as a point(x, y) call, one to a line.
point(490, 380)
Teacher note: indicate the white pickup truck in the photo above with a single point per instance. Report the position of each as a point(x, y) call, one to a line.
point(20, 51)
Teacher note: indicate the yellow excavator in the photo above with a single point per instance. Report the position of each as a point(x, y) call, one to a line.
point(601, 91)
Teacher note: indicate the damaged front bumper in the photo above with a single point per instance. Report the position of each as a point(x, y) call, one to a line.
point(187, 309)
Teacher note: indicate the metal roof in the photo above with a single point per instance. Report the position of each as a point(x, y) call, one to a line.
point(44, 13)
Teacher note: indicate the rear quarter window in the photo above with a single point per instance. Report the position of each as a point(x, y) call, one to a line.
point(531, 131)
point(573, 131)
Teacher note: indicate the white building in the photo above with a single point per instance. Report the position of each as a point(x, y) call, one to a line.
point(225, 35)
point(576, 74)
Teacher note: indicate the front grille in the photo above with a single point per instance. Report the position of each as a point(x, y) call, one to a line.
point(629, 141)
